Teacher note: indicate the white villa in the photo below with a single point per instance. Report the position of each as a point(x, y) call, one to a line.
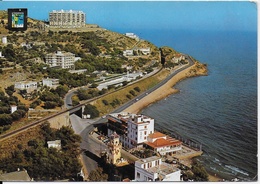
point(28, 85)
point(144, 51)
point(163, 144)
point(153, 169)
point(176, 59)
point(128, 52)
point(54, 144)
point(52, 83)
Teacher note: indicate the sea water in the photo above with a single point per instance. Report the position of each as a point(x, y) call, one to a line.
point(219, 110)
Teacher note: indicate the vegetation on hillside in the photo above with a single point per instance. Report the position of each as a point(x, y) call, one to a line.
point(43, 163)
point(6, 101)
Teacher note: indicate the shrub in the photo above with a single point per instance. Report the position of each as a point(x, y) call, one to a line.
point(132, 92)
point(50, 105)
point(105, 102)
point(137, 89)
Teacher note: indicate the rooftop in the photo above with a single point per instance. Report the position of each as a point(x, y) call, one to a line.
point(150, 159)
point(15, 176)
point(156, 135)
point(163, 142)
point(163, 169)
point(66, 11)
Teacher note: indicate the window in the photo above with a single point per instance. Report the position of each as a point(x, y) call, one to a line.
point(138, 175)
point(145, 132)
point(145, 126)
point(144, 166)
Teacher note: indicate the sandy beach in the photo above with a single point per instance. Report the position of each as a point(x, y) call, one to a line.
point(164, 91)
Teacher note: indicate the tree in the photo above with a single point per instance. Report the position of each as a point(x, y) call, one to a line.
point(61, 90)
point(82, 94)
point(50, 105)
point(94, 85)
point(199, 172)
point(91, 110)
point(10, 90)
point(5, 119)
point(18, 114)
point(97, 175)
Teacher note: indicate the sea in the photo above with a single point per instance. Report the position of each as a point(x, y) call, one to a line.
point(218, 111)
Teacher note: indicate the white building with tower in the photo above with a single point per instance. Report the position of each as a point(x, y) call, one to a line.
point(114, 148)
point(132, 128)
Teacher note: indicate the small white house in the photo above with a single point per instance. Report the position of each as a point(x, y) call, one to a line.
point(52, 83)
point(145, 51)
point(132, 35)
point(54, 144)
point(4, 40)
point(153, 169)
point(128, 53)
point(13, 108)
point(1, 55)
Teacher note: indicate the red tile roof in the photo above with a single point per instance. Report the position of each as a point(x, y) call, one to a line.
point(156, 135)
point(112, 119)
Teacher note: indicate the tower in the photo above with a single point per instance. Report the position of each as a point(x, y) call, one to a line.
point(114, 148)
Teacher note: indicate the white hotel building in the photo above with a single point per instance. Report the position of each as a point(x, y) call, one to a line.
point(133, 129)
point(153, 169)
point(60, 59)
point(67, 19)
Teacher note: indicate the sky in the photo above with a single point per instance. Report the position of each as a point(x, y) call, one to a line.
point(197, 15)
